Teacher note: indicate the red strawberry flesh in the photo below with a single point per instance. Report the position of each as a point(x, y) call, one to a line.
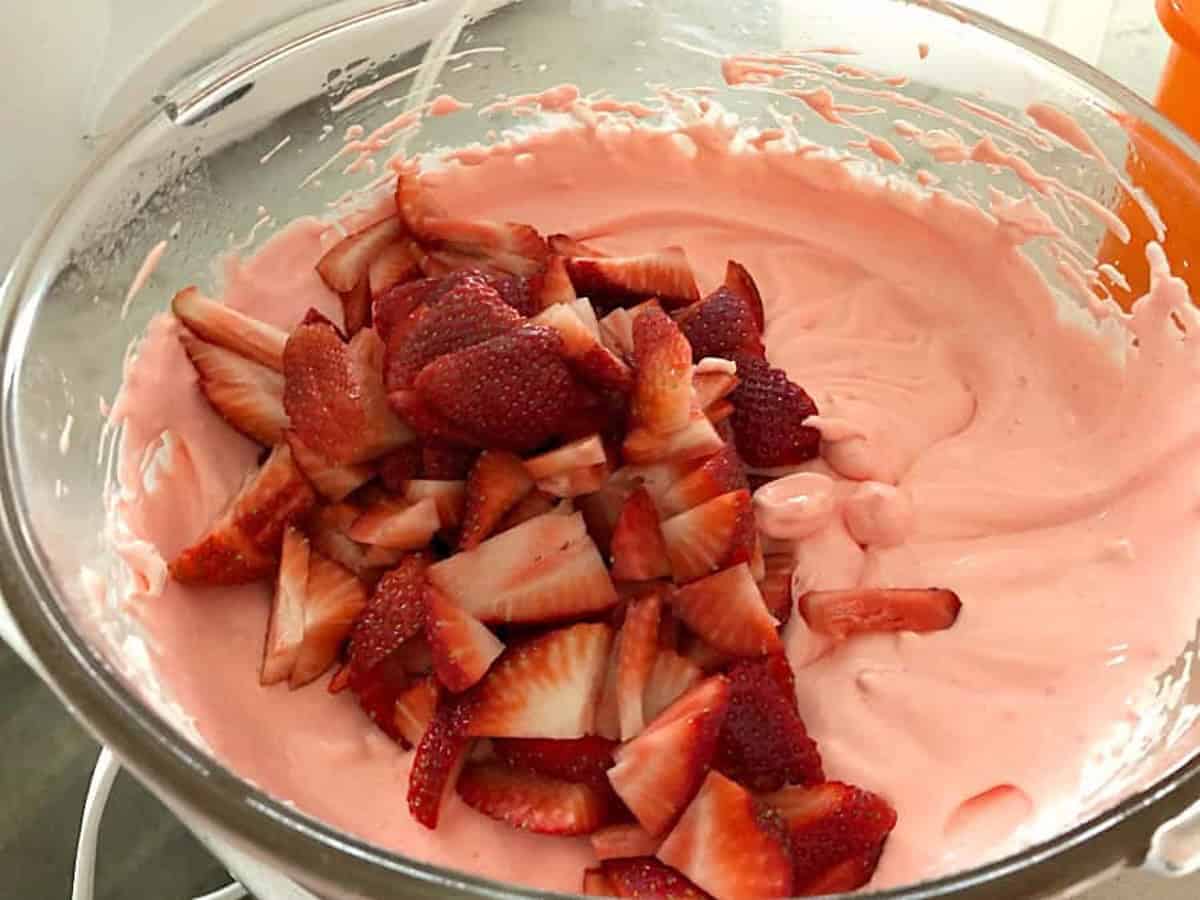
point(841, 614)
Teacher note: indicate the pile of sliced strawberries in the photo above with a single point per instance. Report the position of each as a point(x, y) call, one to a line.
point(518, 525)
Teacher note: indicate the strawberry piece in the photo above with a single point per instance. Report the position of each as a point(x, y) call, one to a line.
point(840, 614)
point(333, 602)
point(591, 360)
point(513, 392)
point(226, 327)
point(396, 264)
point(716, 534)
point(585, 760)
point(533, 505)
point(776, 586)
point(764, 744)
point(346, 263)
point(639, 552)
point(429, 425)
point(577, 482)
point(656, 477)
point(739, 282)
point(519, 292)
point(377, 695)
point(332, 481)
point(639, 647)
point(699, 438)
point(463, 648)
point(596, 884)
point(398, 308)
point(438, 761)
point(837, 833)
point(546, 687)
point(356, 308)
point(565, 245)
point(662, 395)
point(556, 284)
point(440, 263)
point(448, 463)
point(533, 802)
point(727, 611)
point(623, 842)
point(398, 468)
point(611, 281)
point(245, 394)
point(731, 844)
point(395, 614)
point(580, 454)
point(497, 483)
point(333, 394)
point(509, 246)
point(769, 414)
point(285, 627)
point(467, 314)
point(616, 332)
point(720, 474)
point(415, 709)
point(544, 570)
point(712, 387)
point(600, 510)
point(449, 498)
point(327, 530)
point(244, 544)
point(395, 526)
point(703, 655)
point(644, 876)
point(608, 712)
point(671, 677)
point(721, 325)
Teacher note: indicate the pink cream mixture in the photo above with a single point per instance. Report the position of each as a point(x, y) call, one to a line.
point(977, 439)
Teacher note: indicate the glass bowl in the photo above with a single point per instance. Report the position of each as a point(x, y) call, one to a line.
point(244, 135)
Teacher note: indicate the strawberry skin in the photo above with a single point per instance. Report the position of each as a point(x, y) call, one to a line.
point(728, 612)
point(740, 283)
point(718, 533)
point(497, 483)
point(533, 802)
point(769, 415)
point(639, 552)
point(585, 759)
point(245, 394)
point(840, 614)
point(645, 877)
point(438, 761)
point(226, 327)
point(596, 884)
point(463, 648)
point(721, 325)
point(395, 614)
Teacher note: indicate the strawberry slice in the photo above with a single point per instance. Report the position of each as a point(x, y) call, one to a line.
point(721, 325)
point(716, 534)
point(332, 481)
point(415, 709)
point(608, 712)
point(639, 647)
point(395, 614)
point(396, 526)
point(662, 394)
point(577, 482)
point(244, 544)
point(580, 454)
point(739, 282)
point(285, 627)
point(728, 612)
point(623, 842)
point(544, 570)
point(716, 476)
point(519, 292)
point(399, 467)
point(377, 695)
point(395, 264)
point(509, 246)
point(356, 308)
point(585, 759)
point(658, 773)
point(556, 284)
point(639, 552)
point(535, 504)
point(592, 361)
point(616, 332)
point(841, 614)
point(430, 426)
point(671, 677)
point(226, 327)
point(449, 498)
point(449, 463)
point(347, 262)
point(497, 483)
point(712, 385)
point(611, 281)
point(438, 761)
point(644, 876)
point(327, 530)
point(565, 245)
point(463, 648)
point(333, 602)
point(764, 744)
point(776, 586)
point(596, 884)
point(334, 396)
point(245, 394)
point(837, 833)
point(546, 687)
point(533, 802)
point(699, 438)
point(399, 307)
point(513, 392)
point(731, 844)
point(769, 415)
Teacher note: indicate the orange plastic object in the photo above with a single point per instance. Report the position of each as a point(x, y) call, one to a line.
point(1169, 177)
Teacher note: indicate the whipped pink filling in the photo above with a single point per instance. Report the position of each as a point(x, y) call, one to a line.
point(978, 439)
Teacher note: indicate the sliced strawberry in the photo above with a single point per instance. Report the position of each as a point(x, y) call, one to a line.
point(714, 535)
point(644, 877)
point(662, 395)
point(334, 395)
point(671, 677)
point(399, 307)
point(580, 454)
point(556, 284)
point(623, 842)
point(513, 392)
point(463, 648)
point(596, 884)
point(414, 204)
point(658, 773)
point(509, 246)
point(841, 614)
point(656, 477)
point(612, 281)
point(438, 761)
point(837, 832)
point(440, 263)
point(377, 695)
point(396, 526)
point(719, 412)
point(763, 743)
point(608, 711)
point(769, 415)
point(533, 505)
point(415, 709)
point(396, 264)
point(332, 481)
point(534, 802)
point(519, 292)
point(497, 483)
point(285, 627)
point(699, 438)
point(356, 308)
point(721, 325)
point(616, 332)
point(244, 544)
point(546, 687)
point(327, 530)
point(720, 474)
point(395, 614)
point(712, 387)
point(727, 611)
point(639, 647)
point(245, 394)
point(670, 630)
point(544, 570)
point(592, 361)
point(600, 510)
point(577, 482)
point(776, 586)
point(400, 467)
point(564, 245)
point(731, 844)
point(449, 497)
point(334, 600)
point(585, 759)
point(430, 425)
point(226, 327)
point(639, 552)
point(347, 262)
point(739, 282)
